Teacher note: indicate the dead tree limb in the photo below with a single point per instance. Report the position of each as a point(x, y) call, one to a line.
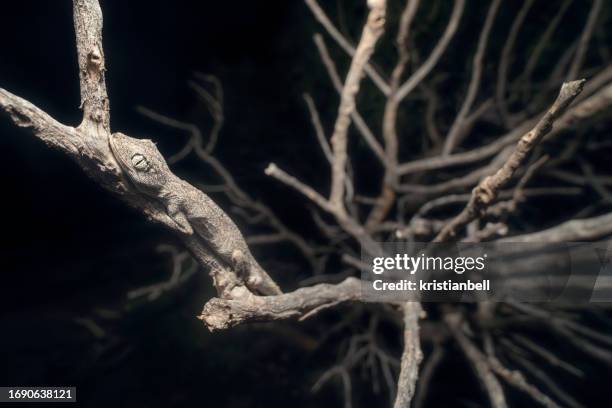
point(488, 189)
point(411, 356)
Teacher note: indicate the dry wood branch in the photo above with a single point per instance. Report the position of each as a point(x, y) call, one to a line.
point(221, 314)
point(478, 361)
point(585, 37)
point(320, 15)
point(431, 126)
point(470, 156)
point(550, 357)
point(541, 375)
point(516, 379)
point(417, 77)
point(525, 76)
point(574, 230)
point(467, 180)
point(387, 195)
point(427, 373)
point(487, 190)
point(411, 357)
point(179, 276)
point(457, 129)
point(502, 73)
point(274, 171)
point(318, 127)
point(54, 134)
point(347, 223)
point(360, 124)
point(94, 100)
point(372, 31)
point(214, 105)
point(587, 108)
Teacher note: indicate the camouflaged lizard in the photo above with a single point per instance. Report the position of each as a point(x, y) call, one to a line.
point(191, 209)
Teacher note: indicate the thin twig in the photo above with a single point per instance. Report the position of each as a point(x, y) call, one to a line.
point(487, 190)
point(320, 15)
point(451, 28)
point(585, 37)
point(457, 130)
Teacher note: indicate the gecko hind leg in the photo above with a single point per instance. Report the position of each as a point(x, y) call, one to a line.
point(243, 267)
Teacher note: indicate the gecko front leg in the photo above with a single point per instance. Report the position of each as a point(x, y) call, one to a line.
point(174, 210)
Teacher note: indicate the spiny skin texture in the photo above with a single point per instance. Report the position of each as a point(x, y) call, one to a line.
point(191, 209)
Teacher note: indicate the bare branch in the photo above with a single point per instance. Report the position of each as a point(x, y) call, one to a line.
point(94, 100)
point(429, 368)
point(221, 314)
point(320, 15)
point(456, 131)
point(516, 379)
point(214, 105)
point(541, 375)
point(274, 171)
point(502, 72)
point(548, 356)
point(54, 134)
point(387, 195)
point(372, 31)
point(411, 357)
point(318, 127)
point(346, 222)
point(525, 76)
point(599, 98)
point(574, 230)
point(180, 275)
point(360, 124)
point(487, 190)
point(478, 361)
point(420, 74)
point(585, 37)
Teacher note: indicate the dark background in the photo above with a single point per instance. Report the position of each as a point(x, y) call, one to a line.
point(70, 252)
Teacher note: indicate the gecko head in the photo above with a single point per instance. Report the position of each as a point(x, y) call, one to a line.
point(140, 161)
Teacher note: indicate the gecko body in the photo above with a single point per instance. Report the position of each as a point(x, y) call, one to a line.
point(191, 209)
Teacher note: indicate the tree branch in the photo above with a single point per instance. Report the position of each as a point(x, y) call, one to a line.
point(54, 134)
point(358, 120)
point(451, 28)
point(372, 31)
point(320, 15)
point(595, 103)
point(411, 357)
point(94, 100)
point(221, 314)
point(387, 194)
point(457, 129)
point(478, 361)
point(487, 190)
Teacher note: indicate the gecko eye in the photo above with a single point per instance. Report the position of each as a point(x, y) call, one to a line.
point(139, 162)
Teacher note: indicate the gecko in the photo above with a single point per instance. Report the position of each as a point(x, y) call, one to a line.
point(192, 210)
